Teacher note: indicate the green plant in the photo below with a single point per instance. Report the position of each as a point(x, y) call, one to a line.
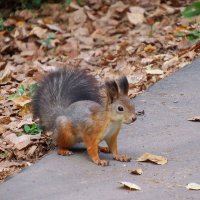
point(2, 27)
point(192, 10)
point(3, 154)
point(33, 129)
point(47, 41)
point(191, 36)
point(28, 91)
point(30, 4)
point(80, 2)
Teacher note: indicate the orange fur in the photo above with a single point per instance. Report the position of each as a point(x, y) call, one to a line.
point(65, 139)
point(112, 144)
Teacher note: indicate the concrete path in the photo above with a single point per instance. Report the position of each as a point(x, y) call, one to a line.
point(163, 130)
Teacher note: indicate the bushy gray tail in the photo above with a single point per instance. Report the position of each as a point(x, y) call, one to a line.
point(58, 90)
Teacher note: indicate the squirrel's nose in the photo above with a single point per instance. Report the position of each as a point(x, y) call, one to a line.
point(134, 119)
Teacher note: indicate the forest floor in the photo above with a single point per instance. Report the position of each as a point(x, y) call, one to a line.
point(144, 41)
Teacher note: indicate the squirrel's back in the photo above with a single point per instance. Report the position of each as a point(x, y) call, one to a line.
point(58, 90)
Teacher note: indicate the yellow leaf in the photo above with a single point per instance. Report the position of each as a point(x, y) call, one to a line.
point(149, 48)
point(20, 23)
point(152, 158)
point(22, 100)
point(25, 110)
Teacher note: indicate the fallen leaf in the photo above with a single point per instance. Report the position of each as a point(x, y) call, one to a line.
point(195, 119)
point(35, 137)
point(6, 164)
point(39, 32)
point(31, 150)
point(2, 129)
point(22, 100)
point(130, 185)
point(136, 171)
point(154, 71)
point(193, 186)
point(119, 6)
point(136, 15)
point(152, 158)
point(20, 24)
point(25, 110)
point(54, 27)
point(27, 53)
point(19, 142)
point(27, 119)
point(167, 64)
point(149, 48)
point(6, 73)
point(5, 120)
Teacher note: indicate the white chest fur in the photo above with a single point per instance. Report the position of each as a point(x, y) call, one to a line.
point(111, 129)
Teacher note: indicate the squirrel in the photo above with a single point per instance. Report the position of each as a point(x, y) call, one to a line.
point(68, 103)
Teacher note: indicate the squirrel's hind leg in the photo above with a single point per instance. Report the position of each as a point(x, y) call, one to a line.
point(65, 137)
point(104, 149)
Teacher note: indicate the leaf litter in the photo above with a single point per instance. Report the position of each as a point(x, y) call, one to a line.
point(107, 39)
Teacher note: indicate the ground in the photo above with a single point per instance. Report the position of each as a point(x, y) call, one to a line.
point(163, 130)
point(107, 40)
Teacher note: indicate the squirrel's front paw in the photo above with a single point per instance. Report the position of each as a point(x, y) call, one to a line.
point(64, 152)
point(122, 158)
point(102, 162)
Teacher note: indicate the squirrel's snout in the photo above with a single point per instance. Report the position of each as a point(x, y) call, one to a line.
point(134, 119)
point(130, 120)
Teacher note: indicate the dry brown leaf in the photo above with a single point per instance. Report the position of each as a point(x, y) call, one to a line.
point(22, 100)
point(136, 171)
point(19, 142)
point(193, 186)
point(6, 73)
point(39, 32)
point(2, 129)
point(149, 48)
point(6, 164)
point(130, 185)
point(27, 119)
point(25, 110)
point(154, 71)
point(27, 53)
point(77, 18)
point(152, 158)
point(31, 150)
point(54, 27)
point(169, 63)
point(13, 126)
point(5, 120)
point(195, 119)
point(136, 15)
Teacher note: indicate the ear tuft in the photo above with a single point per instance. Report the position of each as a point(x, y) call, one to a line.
point(112, 91)
point(123, 85)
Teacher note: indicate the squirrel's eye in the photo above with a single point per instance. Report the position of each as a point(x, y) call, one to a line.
point(120, 108)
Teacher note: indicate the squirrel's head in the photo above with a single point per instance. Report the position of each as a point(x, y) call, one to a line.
point(118, 102)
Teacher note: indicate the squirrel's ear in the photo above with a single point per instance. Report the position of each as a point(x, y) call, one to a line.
point(123, 85)
point(112, 91)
